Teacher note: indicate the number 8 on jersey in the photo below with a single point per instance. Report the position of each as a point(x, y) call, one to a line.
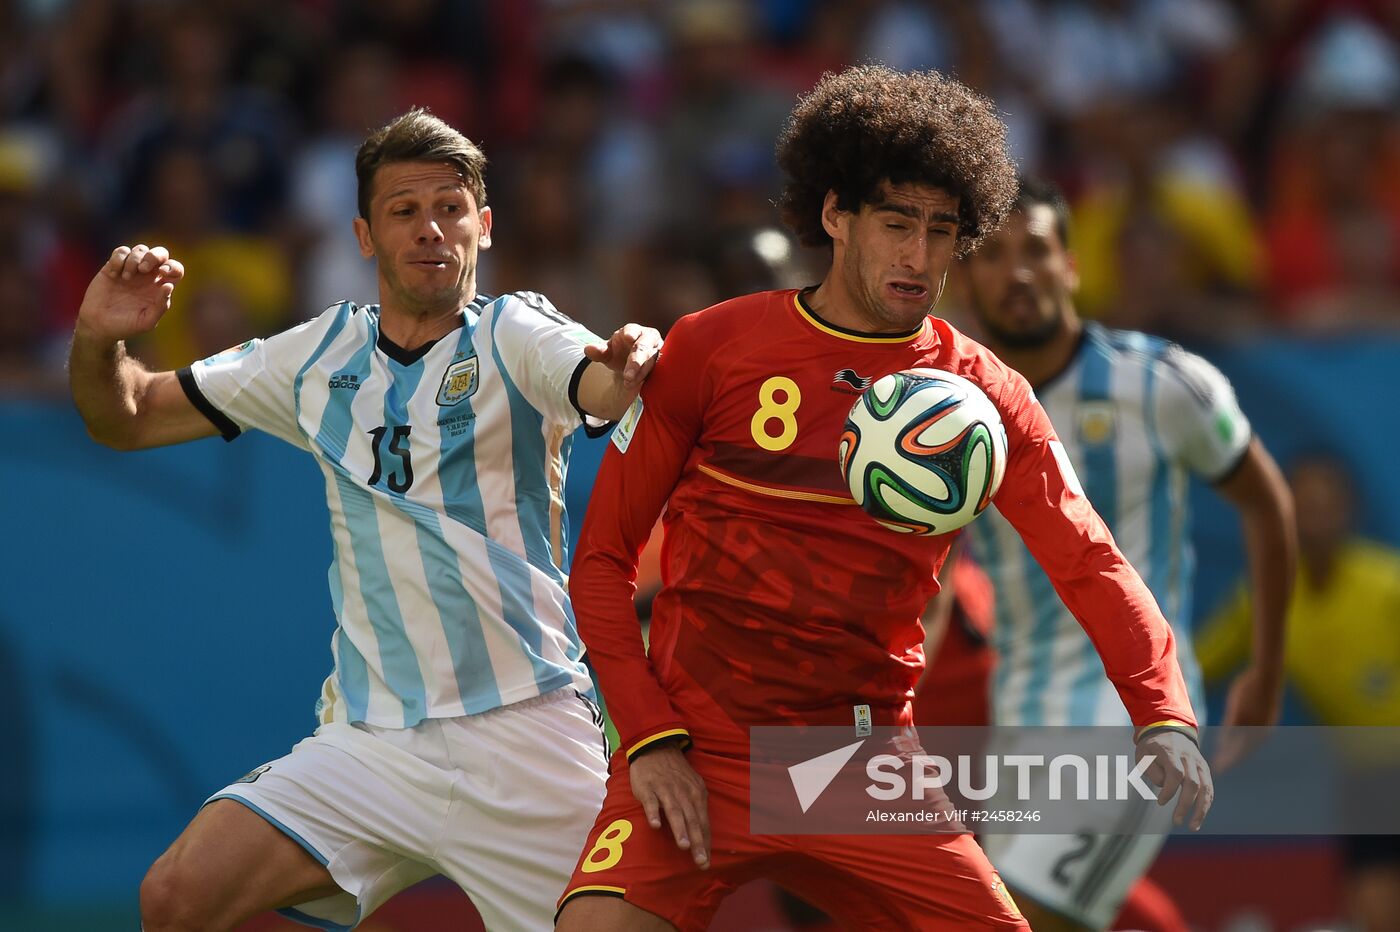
point(770, 409)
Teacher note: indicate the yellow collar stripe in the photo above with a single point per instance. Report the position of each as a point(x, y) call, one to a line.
point(824, 327)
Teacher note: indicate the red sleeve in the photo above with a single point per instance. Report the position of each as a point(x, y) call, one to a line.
point(1042, 498)
point(631, 490)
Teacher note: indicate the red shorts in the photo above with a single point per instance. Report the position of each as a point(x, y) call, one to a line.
point(897, 882)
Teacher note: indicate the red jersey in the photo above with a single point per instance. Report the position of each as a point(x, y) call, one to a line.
point(781, 601)
point(954, 690)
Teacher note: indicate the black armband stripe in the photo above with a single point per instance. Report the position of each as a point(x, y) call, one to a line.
point(226, 427)
point(574, 382)
point(1228, 472)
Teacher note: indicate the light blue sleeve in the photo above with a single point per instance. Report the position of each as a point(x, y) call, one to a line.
point(542, 351)
point(253, 385)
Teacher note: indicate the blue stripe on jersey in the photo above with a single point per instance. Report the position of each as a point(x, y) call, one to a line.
point(518, 609)
point(532, 495)
point(1183, 562)
point(462, 501)
point(471, 661)
point(461, 498)
point(575, 650)
point(1100, 481)
point(396, 654)
point(439, 563)
point(983, 541)
point(1161, 562)
point(1171, 540)
point(397, 658)
point(334, 430)
point(351, 671)
point(1046, 605)
point(353, 674)
point(342, 317)
point(1175, 530)
point(1170, 557)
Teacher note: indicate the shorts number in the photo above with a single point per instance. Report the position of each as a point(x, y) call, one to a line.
point(770, 409)
point(609, 845)
point(1058, 873)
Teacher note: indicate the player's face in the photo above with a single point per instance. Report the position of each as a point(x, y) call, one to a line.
point(893, 254)
point(1020, 280)
point(425, 230)
point(1323, 505)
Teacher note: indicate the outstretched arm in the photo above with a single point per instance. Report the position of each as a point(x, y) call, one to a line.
point(1110, 600)
point(654, 441)
point(124, 405)
point(1042, 498)
point(608, 389)
point(1258, 490)
point(1200, 423)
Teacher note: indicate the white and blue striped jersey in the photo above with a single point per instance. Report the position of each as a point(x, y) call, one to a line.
point(444, 472)
point(1137, 415)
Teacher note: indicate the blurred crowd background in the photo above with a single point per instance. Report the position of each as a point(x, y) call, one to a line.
point(1234, 172)
point(1233, 167)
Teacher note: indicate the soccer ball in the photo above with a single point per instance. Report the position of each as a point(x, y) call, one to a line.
point(923, 451)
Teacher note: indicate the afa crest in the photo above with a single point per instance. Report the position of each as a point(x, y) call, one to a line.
point(459, 382)
point(1098, 422)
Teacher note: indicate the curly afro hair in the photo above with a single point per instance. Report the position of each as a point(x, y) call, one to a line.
point(871, 124)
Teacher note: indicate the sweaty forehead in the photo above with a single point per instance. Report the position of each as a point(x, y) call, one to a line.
point(416, 178)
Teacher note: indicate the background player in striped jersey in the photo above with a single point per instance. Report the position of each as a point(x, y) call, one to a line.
point(782, 602)
point(1137, 415)
point(455, 734)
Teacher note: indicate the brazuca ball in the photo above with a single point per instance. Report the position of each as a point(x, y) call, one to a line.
point(923, 451)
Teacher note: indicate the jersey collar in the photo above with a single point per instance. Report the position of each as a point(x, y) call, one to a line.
point(856, 336)
point(407, 357)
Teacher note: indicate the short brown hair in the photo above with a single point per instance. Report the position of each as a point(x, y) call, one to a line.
point(871, 124)
point(418, 136)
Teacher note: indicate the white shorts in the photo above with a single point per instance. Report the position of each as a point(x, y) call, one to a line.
point(1087, 875)
point(501, 803)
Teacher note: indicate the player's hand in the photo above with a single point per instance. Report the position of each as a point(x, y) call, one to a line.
point(1177, 765)
point(130, 293)
point(1251, 708)
point(664, 781)
point(631, 351)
